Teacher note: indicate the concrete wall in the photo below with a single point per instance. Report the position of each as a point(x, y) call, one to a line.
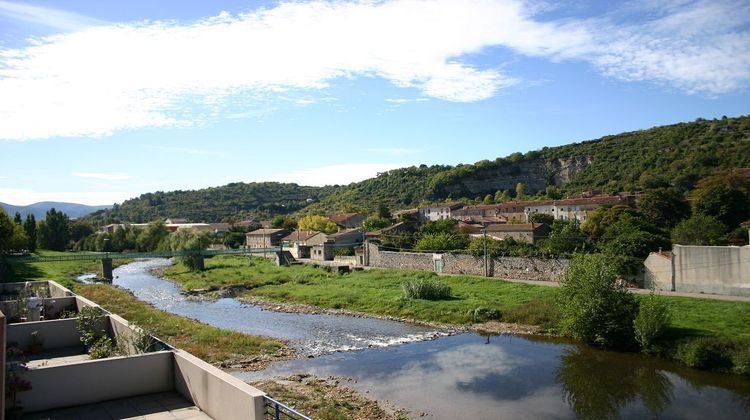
point(57, 333)
point(712, 269)
point(217, 393)
point(97, 380)
point(523, 268)
point(657, 272)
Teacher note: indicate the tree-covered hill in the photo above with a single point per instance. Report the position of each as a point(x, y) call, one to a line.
point(230, 202)
point(678, 155)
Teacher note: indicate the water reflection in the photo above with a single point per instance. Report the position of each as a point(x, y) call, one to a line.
point(597, 388)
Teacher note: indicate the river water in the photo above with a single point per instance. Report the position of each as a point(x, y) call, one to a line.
point(466, 375)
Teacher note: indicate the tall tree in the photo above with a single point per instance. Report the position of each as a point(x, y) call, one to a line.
point(29, 226)
point(699, 230)
point(520, 191)
point(152, 237)
point(664, 206)
point(54, 231)
point(17, 219)
point(80, 229)
point(730, 205)
point(317, 223)
point(12, 235)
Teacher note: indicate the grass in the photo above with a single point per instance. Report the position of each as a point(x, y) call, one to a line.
point(204, 341)
point(209, 343)
point(379, 292)
point(63, 272)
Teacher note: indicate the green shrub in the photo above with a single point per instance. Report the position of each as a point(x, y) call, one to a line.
point(595, 308)
point(102, 348)
point(426, 289)
point(482, 314)
point(707, 353)
point(654, 317)
point(741, 360)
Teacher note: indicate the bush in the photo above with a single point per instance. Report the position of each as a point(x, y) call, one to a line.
point(482, 314)
point(595, 308)
point(707, 353)
point(654, 317)
point(426, 289)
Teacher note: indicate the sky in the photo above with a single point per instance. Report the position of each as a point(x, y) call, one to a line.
point(103, 101)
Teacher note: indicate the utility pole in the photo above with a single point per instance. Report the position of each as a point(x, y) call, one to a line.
point(484, 242)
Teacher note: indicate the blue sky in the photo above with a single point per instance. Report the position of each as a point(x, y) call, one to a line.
point(103, 101)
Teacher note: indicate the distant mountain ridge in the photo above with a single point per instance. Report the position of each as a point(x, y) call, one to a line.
point(39, 210)
point(678, 154)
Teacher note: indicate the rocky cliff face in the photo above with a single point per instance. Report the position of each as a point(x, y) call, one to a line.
point(535, 174)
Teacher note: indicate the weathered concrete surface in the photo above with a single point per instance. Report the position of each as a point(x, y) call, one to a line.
point(712, 269)
point(657, 272)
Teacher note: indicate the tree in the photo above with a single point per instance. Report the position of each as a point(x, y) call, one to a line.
point(284, 222)
point(440, 242)
point(188, 240)
point(29, 226)
point(545, 218)
point(664, 206)
point(317, 223)
point(494, 247)
point(631, 236)
point(17, 219)
point(602, 218)
point(595, 307)
point(520, 191)
point(12, 235)
point(152, 237)
point(80, 229)
point(374, 223)
point(565, 237)
point(730, 205)
point(54, 231)
point(438, 226)
point(383, 212)
point(488, 199)
point(699, 230)
point(553, 192)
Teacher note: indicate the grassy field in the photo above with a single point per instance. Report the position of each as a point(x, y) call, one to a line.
point(379, 292)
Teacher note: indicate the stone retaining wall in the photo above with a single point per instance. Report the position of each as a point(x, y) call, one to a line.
point(522, 268)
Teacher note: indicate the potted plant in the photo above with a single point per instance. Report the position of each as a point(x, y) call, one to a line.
point(15, 366)
point(37, 342)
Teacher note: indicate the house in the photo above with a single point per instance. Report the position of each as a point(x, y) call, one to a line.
point(397, 229)
point(347, 220)
point(175, 221)
point(566, 209)
point(264, 238)
point(438, 211)
point(299, 242)
point(524, 232)
point(348, 238)
point(408, 214)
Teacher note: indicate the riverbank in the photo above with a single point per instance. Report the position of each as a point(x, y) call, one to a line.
point(327, 398)
point(710, 329)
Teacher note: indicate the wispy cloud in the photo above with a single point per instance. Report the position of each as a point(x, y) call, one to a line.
point(108, 176)
point(189, 151)
point(330, 175)
point(168, 74)
point(24, 197)
point(46, 16)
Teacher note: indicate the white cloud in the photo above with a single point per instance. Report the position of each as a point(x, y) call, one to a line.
point(167, 74)
point(45, 16)
point(342, 174)
point(108, 176)
point(24, 197)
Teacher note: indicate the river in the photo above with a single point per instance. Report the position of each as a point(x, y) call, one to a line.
point(465, 375)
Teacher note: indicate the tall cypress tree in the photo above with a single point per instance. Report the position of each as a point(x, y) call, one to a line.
point(29, 225)
point(54, 231)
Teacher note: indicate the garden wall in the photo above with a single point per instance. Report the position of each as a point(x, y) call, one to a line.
point(522, 268)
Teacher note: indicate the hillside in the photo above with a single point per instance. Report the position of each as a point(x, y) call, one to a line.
point(680, 154)
point(40, 209)
point(230, 202)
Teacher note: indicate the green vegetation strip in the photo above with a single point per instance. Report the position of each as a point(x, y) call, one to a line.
point(380, 292)
point(211, 344)
point(63, 272)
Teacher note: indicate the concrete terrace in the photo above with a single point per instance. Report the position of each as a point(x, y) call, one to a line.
point(162, 383)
